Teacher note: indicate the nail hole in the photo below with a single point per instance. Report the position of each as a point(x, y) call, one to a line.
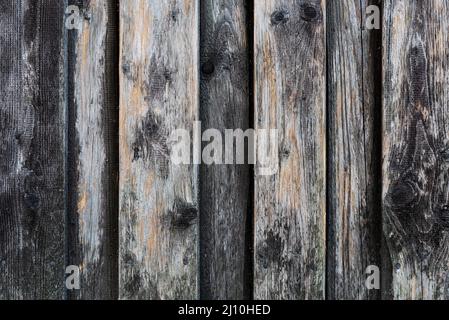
point(208, 68)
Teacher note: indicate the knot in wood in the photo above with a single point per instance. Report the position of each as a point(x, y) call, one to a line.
point(32, 201)
point(183, 215)
point(310, 12)
point(403, 196)
point(208, 68)
point(279, 16)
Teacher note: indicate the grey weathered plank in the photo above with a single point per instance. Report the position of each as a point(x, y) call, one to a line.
point(415, 147)
point(158, 199)
point(290, 95)
point(31, 150)
point(354, 218)
point(93, 148)
point(224, 188)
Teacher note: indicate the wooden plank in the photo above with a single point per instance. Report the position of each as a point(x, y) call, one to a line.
point(415, 147)
point(31, 150)
point(354, 218)
point(159, 46)
point(290, 95)
point(93, 148)
point(224, 188)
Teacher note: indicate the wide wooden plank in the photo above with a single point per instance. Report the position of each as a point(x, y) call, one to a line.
point(354, 216)
point(32, 221)
point(224, 188)
point(290, 95)
point(159, 59)
point(416, 147)
point(93, 148)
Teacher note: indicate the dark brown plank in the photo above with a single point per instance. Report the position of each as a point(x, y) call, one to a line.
point(416, 147)
point(224, 188)
point(31, 150)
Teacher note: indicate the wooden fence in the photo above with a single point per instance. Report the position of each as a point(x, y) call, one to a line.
point(87, 104)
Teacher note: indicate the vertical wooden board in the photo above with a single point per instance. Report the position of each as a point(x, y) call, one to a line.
point(224, 188)
point(31, 150)
point(93, 143)
point(415, 147)
point(354, 218)
point(290, 95)
point(159, 55)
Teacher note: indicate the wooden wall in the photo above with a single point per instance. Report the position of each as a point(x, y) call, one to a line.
point(362, 150)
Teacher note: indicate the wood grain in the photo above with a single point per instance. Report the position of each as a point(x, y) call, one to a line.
point(159, 89)
point(354, 218)
point(290, 95)
point(415, 147)
point(224, 188)
point(93, 148)
point(32, 222)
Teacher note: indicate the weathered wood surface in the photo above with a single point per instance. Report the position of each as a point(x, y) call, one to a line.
point(62, 203)
point(415, 148)
point(93, 148)
point(354, 216)
point(290, 95)
point(32, 220)
point(159, 45)
point(225, 189)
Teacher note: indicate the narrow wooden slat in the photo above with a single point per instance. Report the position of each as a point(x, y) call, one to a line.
point(93, 148)
point(290, 95)
point(31, 150)
point(224, 188)
point(159, 47)
point(416, 147)
point(354, 218)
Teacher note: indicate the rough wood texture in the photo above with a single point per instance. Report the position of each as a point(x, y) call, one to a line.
point(354, 218)
point(416, 147)
point(290, 95)
point(158, 200)
point(93, 148)
point(31, 150)
point(224, 188)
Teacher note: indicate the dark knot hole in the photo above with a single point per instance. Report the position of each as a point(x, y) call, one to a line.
point(309, 12)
